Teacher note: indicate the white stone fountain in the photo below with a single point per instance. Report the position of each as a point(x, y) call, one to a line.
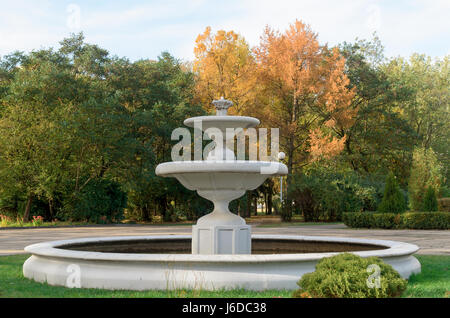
point(221, 252)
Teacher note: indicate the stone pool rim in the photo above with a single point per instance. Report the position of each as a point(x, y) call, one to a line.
point(55, 249)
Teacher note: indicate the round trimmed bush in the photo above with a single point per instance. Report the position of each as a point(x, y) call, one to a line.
point(346, 276)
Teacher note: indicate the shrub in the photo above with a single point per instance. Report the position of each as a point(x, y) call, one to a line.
point(430, 201)
point(393, 200)
point(37, 220)
point(444, 204)
point(100, 201)
point(425, 171)
point(346, 276)
point(426, 220)
point(322, 194)
point(286, 214)
point(408, 220)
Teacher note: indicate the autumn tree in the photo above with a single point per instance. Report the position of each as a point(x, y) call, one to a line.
point(224, 66)
point(305, 93)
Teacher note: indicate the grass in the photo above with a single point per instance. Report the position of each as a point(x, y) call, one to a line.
point(434, 281)
point(14, 284)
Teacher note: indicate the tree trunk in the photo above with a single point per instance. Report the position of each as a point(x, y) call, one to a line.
point(50, 208)
point(249, 204)
point(269, 202)
point(26, 215)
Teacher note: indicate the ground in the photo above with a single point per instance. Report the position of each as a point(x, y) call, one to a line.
point(434, 255)
point(431, 242)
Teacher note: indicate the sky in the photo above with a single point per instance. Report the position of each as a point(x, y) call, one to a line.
point(140, 29)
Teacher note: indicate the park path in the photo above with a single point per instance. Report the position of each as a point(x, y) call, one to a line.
point(12, 241)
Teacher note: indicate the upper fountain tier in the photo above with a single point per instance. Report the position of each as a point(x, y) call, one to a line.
point(221, 178)
point(221, 120)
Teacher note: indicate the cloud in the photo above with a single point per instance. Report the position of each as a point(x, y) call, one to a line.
point(142, 29)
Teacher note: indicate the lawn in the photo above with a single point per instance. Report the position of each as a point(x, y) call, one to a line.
point(434, 281)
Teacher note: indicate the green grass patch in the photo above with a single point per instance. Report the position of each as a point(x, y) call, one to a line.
point(434, 281)
point(14, 284)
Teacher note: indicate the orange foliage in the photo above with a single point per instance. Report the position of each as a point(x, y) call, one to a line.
point(290, 82)
point(306, 91)
point(224, 66)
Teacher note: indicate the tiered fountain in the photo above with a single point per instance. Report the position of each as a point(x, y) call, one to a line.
point(221, 253)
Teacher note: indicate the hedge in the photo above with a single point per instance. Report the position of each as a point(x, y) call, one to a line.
point(408, 220)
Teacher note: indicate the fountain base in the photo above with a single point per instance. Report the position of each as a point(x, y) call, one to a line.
point(221, 239)
point(104, 263)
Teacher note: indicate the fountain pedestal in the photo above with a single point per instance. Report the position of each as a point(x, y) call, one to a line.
point(221, 232)
point(220, 239)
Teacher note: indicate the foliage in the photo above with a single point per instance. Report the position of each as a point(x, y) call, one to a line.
point(393, 200)
point(304, 92)
point(444, 204)
point(322, 194)
point(224, 67)
point(380, 138)
point(426, 110)
point(430, 201)
point(100, 201)
point(407, 220)
point(425, 172)
point(346, 276)
point(73, 119)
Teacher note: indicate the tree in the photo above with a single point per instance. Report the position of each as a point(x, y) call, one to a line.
point(426, 110)
point(426, 172)
point(430, 201)
point(304, 93)
point(224, 66)
point(393, 200)
point(380, 138)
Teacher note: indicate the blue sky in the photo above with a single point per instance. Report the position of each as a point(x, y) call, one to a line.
point(143, 29)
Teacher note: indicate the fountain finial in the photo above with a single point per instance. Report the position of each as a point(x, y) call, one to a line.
point(222, 106)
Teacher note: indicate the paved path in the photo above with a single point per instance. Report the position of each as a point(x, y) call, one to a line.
point(12, 241)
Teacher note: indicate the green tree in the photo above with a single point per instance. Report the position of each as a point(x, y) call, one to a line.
point(426, 109)
point(426, 171)
point(430, 201)
point(393, 200)
point(380, 139)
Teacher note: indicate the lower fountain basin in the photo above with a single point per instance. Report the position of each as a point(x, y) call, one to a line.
point(164, 262)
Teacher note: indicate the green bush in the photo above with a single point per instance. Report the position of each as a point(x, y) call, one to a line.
point(322, 194)
point(346, 276)
point(408, 220)
point(100, 201)
point(393, 200)
point(430, 201)
point(444, 204)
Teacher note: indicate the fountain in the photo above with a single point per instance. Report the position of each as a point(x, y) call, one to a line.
point(221, 253)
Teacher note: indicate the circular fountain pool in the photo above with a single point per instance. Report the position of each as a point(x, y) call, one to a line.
point(165, 262)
